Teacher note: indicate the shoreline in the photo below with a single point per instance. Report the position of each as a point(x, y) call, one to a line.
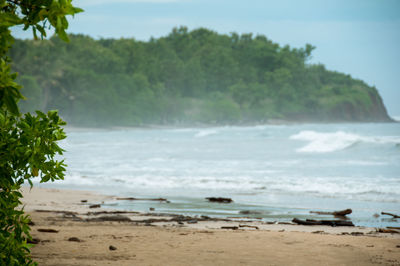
point(272, 122)
point(160, 239)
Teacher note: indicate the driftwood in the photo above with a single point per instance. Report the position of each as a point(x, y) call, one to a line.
point(74, 239)
point(130, 198)
point(118, 216)
point(249, 226)
point(33, 241)
point(165, 219)
point(65, 214)
point(94, 206)
point(55, 211)
point(249, 212)
point(391, 214)
point(114, 218)
point(46, 230)
point(112, 212)
point(335, 213)
point(389, 231)
point(357, 233)
point(230, 227)
point(220, 200)
point(393, 227)
point(323, 222)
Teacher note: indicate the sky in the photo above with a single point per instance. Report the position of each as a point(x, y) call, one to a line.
point(356, 37)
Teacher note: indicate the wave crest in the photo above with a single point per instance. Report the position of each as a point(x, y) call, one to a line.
point(329, 142)
point(205, 133)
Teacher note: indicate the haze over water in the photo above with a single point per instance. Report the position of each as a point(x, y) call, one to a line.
point(278, 171)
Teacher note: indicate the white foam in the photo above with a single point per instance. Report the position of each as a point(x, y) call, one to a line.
point(325, 187)
point(329, 142)
point(184, 162)
point(396, 117)
point(341, 187)
point(325, 142)
point(205, 133)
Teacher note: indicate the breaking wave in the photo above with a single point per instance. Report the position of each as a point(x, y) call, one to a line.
point(329, 142)
point(205, 133)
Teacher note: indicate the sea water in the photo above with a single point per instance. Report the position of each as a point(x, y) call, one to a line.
point(276, 172)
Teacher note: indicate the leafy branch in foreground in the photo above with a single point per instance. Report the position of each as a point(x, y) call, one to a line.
point(27, 149)
point(28, 143)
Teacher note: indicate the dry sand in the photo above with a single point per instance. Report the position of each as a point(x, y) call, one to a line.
point(202, 243)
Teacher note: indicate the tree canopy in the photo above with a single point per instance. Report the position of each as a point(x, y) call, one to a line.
point(187, 77)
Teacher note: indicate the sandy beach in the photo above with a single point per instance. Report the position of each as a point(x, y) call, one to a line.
point(69, 232)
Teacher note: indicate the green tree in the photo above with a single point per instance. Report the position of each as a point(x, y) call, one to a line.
point(28, 143)
point(128, 82)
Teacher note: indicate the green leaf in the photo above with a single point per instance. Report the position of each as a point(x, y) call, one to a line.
point(11, 104)
point(63, 35)
point(9, 19)
point(34, 33)
point(78, 10)
point(59, 24)
point(43, 14)
point(41, 30)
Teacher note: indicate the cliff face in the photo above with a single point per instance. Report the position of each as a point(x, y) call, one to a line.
point(378, 110)
point(353, 102)
point(372, 110)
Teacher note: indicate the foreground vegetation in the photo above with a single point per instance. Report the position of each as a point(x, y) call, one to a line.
point(187, 77)
point(28, 143)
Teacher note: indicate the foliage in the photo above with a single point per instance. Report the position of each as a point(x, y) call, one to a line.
point(28, 143)
point(27, 149)
point(174, 80)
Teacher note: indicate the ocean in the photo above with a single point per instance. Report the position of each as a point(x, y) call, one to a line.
point(276, 172)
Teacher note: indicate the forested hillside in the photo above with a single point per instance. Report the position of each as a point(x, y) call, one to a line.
point(187, 77)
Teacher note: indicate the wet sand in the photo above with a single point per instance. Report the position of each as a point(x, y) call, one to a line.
point(153, 239)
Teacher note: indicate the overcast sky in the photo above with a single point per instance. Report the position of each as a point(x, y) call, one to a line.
point(357, 37)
